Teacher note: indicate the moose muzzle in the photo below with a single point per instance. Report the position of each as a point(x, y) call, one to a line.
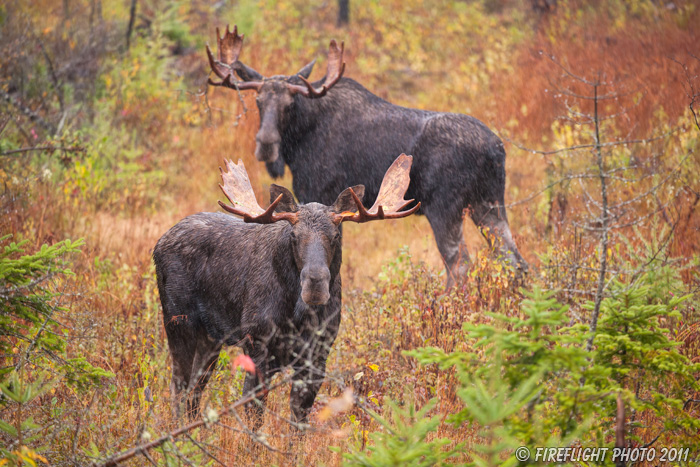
point(314, 285)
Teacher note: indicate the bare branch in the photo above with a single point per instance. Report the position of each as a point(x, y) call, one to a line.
point(43, 148)
point(592, 145)
point(116, 459)
point(29, 113)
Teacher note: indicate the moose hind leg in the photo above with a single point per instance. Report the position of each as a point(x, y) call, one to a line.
point(492, 222)
point(450, 242)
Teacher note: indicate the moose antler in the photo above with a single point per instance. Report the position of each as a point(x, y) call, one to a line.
point(238, 190)
point(229, 47)
point(390, 200)
point(335, 70)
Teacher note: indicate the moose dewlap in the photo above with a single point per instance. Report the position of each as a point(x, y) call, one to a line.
point(269, 283)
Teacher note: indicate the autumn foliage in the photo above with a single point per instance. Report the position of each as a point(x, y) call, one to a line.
point(114, 144)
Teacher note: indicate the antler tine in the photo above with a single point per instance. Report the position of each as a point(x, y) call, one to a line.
point(238, 190)
point(390, 200)
point(335, 70)
point(229, 47)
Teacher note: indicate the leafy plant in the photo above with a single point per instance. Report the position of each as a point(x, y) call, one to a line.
point(33, 336)
point(28, 302)
point(404, 440)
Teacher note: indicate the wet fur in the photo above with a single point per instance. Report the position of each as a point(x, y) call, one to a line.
point(225, 282)
point(351, 136)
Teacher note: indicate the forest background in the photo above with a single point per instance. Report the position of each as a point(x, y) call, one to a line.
point(109, 135)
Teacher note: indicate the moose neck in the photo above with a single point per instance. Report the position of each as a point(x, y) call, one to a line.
point(310, 117)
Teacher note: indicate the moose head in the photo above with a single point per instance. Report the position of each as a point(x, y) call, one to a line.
point(275, 94)
point(315, 228)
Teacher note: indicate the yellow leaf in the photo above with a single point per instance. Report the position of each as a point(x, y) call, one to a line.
point(337, 405)
point(374, 367)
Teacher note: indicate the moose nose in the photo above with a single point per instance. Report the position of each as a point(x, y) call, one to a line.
point(268, 139)
point(315, 275)
point(314, 286)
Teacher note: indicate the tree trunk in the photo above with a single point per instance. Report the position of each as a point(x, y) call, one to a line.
point(343, 12)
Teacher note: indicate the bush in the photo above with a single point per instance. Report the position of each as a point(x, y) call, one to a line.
point(34, 342)
point(529, 381)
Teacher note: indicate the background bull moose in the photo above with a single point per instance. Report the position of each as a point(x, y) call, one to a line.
point(339, 128)
point(106, 144)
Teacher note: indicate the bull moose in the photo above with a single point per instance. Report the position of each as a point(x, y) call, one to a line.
point(269, 283)
point(337, 127)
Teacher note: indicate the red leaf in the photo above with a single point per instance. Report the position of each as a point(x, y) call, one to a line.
point(244, 362)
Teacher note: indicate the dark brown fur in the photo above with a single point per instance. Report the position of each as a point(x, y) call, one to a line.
point(272, 289)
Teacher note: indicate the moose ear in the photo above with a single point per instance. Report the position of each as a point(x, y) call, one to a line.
point(306, 71)
point(287, 204)
point(246, 73)
point(345, 201)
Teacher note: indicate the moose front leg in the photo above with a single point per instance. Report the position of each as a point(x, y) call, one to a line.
point(492, 221)
point(255, 384)
point(255, 409)
point(450, 242)
point(310, 371)
point(305, 386)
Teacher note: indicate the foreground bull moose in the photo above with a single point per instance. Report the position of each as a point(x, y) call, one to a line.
point(339, 128)
point(270, 287)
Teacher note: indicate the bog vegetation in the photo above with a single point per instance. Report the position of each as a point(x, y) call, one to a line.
point(109, 136)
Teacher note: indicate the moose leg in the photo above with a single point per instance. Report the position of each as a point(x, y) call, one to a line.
point(492, 222)
point(182, 345)
point(203, 367)
point(450, 243)
point(253, 383)
point(305, 385)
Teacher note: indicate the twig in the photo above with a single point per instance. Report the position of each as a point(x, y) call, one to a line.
point(42, 148)
point(52, 72)
point(204, 450)
point(592, 145)
point(692, 94)
point(606, 228)
point(33, 116)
